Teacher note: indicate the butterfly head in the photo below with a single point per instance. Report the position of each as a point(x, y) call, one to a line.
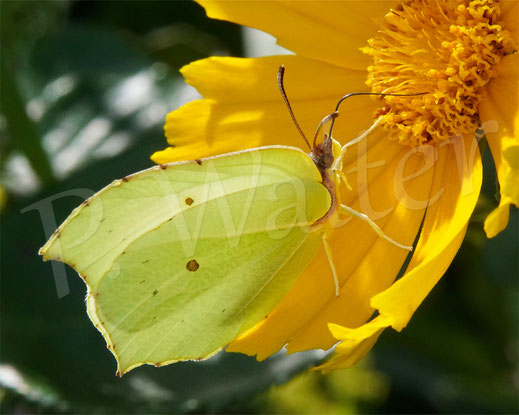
point(324, 153)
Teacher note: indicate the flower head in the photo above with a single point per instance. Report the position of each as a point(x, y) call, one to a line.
point(418, 174)
point(450, 49)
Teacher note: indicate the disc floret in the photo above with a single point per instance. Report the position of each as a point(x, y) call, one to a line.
point(449, 49)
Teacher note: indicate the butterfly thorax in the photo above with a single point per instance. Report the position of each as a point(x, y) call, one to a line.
point(323, 156)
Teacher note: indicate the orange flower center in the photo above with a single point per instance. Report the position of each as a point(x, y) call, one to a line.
point(448, 49)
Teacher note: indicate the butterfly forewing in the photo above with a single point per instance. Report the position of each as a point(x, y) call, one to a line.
point(182, 258)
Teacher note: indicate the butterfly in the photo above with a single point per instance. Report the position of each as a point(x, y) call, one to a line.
point(181, 258)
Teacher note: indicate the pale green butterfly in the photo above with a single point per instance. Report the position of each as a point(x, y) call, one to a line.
point(181, 258)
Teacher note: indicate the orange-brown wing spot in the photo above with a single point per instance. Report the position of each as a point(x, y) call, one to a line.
point(125, 179)
point(189, 201)
point(119, 374)
point(192, 265)
point(163, 166)
point(155, 292)
point(157, 364)
point(199, 162)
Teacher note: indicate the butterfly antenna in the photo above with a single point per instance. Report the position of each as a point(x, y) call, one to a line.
point(281, 74)
point(367, 93)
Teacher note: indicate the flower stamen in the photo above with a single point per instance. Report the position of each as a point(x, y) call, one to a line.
point(448, 48)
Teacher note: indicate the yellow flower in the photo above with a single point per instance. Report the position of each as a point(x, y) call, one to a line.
point(418, 174)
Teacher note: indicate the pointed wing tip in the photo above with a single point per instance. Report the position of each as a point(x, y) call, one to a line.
point(123, 369)
point(121, 372)
point(44, 252)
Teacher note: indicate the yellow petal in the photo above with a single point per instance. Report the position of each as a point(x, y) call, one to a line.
point(457, 179)
point(304, 78)
point(234, 118)
point(365, 263)
point(356, 343)
point(333, 30)
point(497, 220)
point(499, 114)
point(510, 184)
point(510, 17)
point(351, 350)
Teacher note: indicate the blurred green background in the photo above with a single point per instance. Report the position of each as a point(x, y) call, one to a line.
point(85, 87)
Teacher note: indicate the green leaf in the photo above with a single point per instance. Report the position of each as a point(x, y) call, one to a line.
point(24, 133)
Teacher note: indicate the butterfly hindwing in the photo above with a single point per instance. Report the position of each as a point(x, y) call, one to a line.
point(182, 258)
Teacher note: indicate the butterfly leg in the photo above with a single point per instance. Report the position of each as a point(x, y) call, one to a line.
point(374, 226)
point(344, 179)
point(328, 251)
point(338, 164)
